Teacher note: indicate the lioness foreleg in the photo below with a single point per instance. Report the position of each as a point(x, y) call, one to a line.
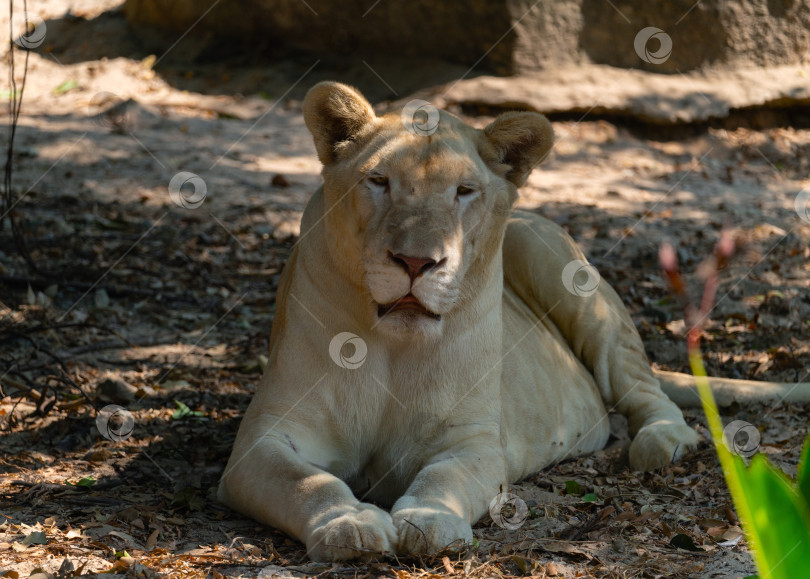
point(270, 477)
point(447, 496)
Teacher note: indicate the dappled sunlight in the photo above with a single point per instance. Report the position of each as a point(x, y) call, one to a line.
point(160, 179)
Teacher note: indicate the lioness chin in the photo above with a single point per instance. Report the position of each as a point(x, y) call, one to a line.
point(429, 347)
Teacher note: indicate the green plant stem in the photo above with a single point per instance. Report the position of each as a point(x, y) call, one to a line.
point(727, 461)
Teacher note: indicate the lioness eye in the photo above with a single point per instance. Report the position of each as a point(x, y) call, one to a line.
point(378, 180)
point(462, 190)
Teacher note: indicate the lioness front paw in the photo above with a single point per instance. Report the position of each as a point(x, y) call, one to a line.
point(428, 530)
point(660, 443)
point(364, 533)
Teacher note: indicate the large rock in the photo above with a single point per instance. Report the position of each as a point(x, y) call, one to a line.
point(514, 36)
point(692, 97)
point(727, 33)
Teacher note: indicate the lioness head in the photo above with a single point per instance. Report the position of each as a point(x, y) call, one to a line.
point(415, 208)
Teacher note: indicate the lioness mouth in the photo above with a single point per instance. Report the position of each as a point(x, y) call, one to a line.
point(409, 302)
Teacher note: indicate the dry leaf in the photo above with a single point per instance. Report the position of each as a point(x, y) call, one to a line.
point(626, 515)
point(447, 565)
point(731, 542)
point(524, 564)
point(563, 547)
point(151, 542)
point(732, 534)
point(128, 539)
point(709, 523)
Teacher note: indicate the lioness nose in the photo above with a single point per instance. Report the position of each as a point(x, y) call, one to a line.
point(414, 266)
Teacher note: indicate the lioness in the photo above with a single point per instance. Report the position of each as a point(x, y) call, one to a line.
point(478, 357)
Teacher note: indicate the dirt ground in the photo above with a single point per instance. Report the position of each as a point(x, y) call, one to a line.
point(166, 310)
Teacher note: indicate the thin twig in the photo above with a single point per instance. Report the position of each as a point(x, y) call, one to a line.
point(577, 531)
point(420, 530)
point(96, 347)
point(46, 327)
point(113, 290)
point(14, 108)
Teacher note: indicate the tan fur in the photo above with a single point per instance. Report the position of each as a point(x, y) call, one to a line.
point(441, 414)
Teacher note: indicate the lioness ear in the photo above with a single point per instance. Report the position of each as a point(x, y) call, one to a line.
point(521, 141)
point(335, 113)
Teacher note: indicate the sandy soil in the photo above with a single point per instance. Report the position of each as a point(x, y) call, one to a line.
point(177, 303)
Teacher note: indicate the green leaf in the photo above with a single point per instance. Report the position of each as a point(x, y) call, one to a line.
point(572, 488)
point(184, 411)
point(682, 541)
point(590, 498)
point(86, 482)
point(66, 86)
point(775, 515)
point(803, 474)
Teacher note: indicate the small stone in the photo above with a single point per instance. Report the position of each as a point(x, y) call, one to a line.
point(115, 390)
point(279, 180)
point(101, 299)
